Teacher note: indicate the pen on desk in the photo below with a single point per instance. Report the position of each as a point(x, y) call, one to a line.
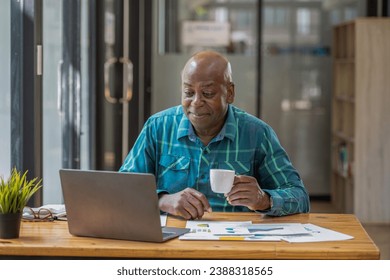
point(229, 234)
point(231, 238)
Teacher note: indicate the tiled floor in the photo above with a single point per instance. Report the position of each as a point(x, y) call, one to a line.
point(379, 233)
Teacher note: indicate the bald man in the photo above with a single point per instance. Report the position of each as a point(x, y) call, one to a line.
point(181, 144)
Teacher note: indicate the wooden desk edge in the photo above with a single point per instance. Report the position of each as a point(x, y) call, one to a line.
point(177, 249)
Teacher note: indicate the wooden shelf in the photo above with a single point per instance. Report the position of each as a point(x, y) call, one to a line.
point(360, 119)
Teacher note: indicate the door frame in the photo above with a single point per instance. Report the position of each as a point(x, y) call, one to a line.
point(111, 145)
point(26, 88)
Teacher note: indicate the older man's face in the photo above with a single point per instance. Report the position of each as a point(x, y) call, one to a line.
point(205, 97)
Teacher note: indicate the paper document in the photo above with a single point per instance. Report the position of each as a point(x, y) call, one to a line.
point(216, 230)
point(317, 234)
point(163, 219)
point(246, 231)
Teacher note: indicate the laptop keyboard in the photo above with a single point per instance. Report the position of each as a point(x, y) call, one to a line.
point(167, 233)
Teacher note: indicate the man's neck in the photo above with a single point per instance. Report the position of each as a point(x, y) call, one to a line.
point(206, 136)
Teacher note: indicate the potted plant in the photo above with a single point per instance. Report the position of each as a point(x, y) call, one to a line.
point(14, 195)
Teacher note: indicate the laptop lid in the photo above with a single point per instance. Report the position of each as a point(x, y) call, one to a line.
point(116, 205)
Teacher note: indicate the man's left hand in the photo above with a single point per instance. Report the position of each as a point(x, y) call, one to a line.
point(247, 192)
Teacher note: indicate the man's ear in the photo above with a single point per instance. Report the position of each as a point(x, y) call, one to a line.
point(230, 93)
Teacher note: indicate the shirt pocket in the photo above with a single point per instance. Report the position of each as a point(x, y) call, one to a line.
point(240, 167)
point(173, 173)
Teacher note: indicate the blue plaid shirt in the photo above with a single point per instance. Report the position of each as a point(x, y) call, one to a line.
point(169, 148)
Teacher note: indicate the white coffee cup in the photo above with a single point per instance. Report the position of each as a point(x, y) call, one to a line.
point(221, 180)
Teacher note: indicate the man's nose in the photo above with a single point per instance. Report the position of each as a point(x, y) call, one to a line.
point(198, 99)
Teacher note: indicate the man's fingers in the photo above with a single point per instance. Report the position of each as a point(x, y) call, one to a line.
point(258, 200)
point(201, 198)
point(239, 196)
point(243, 187)
point(193, 204)
point(190, 211)
point(240, 179)
point(189, 204)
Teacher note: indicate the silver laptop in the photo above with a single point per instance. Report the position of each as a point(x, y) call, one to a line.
point(114, 205)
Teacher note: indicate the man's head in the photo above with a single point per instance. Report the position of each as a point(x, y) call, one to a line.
point(207, 89)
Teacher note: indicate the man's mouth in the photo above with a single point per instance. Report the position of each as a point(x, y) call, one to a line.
point(198, 115)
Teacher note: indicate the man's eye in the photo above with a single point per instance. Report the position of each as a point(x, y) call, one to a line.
point(188, 93)
point(208, 94)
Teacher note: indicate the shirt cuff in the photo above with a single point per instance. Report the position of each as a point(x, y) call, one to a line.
point(161, 192)
point(277, 203)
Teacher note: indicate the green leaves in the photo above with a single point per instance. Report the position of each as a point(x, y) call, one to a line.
point(16, 191)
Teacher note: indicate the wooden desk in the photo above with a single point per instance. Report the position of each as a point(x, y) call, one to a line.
point(52, 239)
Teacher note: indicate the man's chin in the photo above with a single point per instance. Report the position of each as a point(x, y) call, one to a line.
point(199, 124)
point(198, 118)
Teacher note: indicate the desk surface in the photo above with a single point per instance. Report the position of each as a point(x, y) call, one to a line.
point(52, 239)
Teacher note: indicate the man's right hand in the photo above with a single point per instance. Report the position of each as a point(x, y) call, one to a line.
point(188, 203)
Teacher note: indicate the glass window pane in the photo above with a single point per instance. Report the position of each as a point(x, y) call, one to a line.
point(53, 126)
point(52, 142)
point(85, 148)
point(226, 26)
point(5, 92)
point(308, 28)
point(297, 53)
